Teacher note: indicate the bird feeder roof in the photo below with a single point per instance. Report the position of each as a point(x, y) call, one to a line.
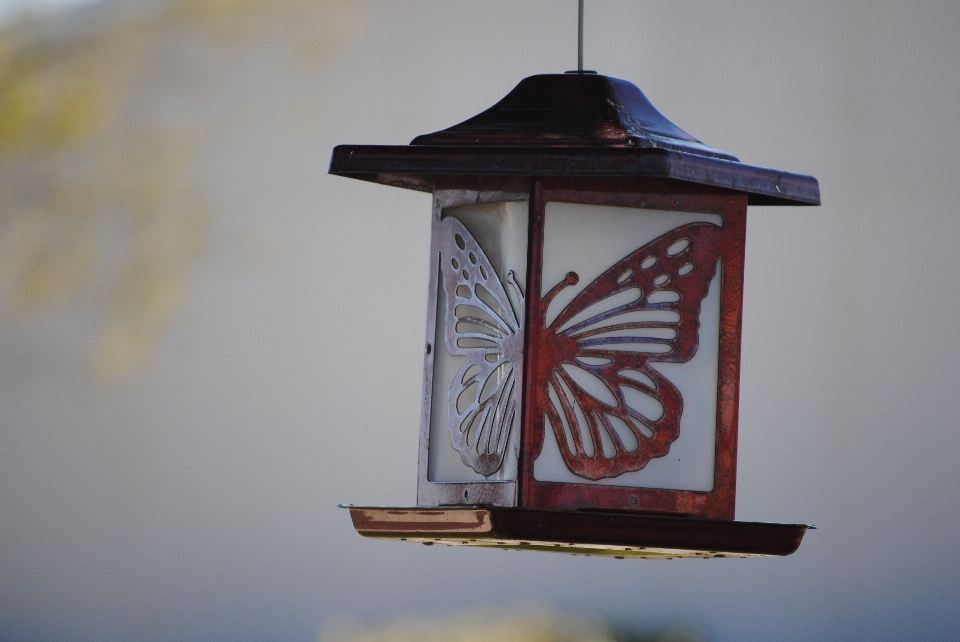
point(576, 125)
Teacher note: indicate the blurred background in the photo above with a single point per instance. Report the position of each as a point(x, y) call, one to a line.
point(207, 343)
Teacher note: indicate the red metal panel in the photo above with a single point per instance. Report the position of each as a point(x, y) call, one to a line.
point(547, 349)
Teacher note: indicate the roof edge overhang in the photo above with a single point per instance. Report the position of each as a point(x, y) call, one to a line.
point(421, 167)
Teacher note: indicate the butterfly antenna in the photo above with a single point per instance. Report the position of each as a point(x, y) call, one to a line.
point(569, 280)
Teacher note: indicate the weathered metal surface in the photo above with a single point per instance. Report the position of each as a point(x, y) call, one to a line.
point(480, 325)
point(455, 193)
point(572, 110)
point(545, 350)
point(420, 167)
point(408, 520)
point(570, 125)
point(654, 269)
point(579, 532)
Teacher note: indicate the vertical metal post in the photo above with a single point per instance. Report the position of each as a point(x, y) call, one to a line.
point(580, 37)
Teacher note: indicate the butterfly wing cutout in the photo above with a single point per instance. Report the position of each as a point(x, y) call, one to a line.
point(481, 325)
point(610, 410)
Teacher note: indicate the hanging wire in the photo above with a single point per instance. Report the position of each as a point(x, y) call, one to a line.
point(580, 38)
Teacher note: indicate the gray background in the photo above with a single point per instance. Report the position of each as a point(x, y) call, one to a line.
point(190, 492)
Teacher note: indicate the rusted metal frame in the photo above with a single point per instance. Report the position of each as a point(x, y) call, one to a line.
point(715, 504)
point(728, 377)
point(429, 493)
point(417, 167)
point(595, 532)
point(532, 302)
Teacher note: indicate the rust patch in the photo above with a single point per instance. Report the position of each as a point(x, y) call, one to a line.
point(374, 520)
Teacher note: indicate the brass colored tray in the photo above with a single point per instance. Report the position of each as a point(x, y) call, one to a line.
point(606, 534)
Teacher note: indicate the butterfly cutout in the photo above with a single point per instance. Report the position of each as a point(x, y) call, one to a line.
point(481, 325)
point(595, 381)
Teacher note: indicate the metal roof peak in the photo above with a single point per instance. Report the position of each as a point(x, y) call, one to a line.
point(572, 110)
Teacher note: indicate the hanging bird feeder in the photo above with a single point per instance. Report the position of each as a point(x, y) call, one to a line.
point(582, 353)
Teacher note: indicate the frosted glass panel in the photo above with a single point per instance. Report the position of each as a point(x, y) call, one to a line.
point(589, 240)
point(500, 231)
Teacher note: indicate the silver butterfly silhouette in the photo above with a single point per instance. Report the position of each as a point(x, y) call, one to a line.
point(482, 326)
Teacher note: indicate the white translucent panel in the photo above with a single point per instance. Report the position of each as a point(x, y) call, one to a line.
point(624, 297)
point(591, 385)
point(501, 231)
point(588, 240)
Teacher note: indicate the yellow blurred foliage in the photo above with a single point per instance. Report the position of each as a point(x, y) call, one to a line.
point(531, 623)
point(33, 111)
point(100, 204)
point(313, 33)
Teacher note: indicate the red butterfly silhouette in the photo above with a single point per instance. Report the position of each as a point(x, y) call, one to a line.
point(644, 309)
point(481, 325)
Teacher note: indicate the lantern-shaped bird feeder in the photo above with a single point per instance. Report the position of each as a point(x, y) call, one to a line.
point(582, 360)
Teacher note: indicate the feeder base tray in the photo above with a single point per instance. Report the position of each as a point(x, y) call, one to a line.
point(604, 534)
